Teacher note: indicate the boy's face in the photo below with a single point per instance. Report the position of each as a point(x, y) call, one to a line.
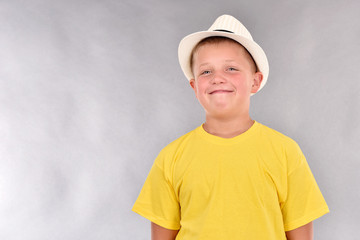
point(224, 79)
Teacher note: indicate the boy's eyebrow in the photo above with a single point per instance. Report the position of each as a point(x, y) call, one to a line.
point(203, 64)
point(206, 63)
point(230, 61)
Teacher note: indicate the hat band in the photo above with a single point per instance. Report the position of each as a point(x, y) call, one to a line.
point(222, 30)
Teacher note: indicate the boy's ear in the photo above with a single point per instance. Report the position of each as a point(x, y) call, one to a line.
point(258, 77)
point(192, 83)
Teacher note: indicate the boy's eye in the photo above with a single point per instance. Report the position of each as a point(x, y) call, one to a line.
point(232, 69)
point(205, 72)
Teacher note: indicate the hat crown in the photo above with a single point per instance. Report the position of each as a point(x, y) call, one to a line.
point(228, 23)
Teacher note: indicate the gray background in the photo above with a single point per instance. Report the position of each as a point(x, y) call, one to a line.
point(91, 91)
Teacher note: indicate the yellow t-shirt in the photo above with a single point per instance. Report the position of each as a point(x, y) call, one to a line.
point(254, 186)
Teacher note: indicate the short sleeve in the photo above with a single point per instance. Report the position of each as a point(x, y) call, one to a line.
point(304, 201)
point(157, 200)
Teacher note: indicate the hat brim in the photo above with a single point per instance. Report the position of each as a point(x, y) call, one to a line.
point(188, 43)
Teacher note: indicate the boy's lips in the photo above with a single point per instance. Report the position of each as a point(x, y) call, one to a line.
point(220, 91)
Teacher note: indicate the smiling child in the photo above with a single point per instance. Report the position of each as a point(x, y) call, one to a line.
point(232, 177)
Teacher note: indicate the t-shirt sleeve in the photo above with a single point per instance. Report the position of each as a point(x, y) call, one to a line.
point(304, 201)
point(157, 200)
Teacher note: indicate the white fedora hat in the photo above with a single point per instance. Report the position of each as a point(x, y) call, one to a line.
point(224, 26)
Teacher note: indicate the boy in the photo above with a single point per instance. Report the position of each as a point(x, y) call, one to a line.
point(232, 177)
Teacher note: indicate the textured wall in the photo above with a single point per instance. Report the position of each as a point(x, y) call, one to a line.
point(90, 91)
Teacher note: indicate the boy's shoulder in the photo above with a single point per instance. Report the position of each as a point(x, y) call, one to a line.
point(278, 140)
point(168, 155)
point(272, 133)
point(180, 141)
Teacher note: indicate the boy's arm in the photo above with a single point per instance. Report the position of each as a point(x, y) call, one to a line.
point(160, 233)
point(302, 233)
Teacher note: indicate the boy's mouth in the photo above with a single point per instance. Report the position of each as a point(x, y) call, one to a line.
point(220, 91)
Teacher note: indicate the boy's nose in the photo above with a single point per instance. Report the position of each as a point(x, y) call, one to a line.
point(217, 79)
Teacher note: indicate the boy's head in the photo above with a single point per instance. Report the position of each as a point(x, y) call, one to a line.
point(225, 76)
point(225, 29)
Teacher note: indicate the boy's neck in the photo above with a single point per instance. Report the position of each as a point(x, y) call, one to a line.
point(227, 128)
